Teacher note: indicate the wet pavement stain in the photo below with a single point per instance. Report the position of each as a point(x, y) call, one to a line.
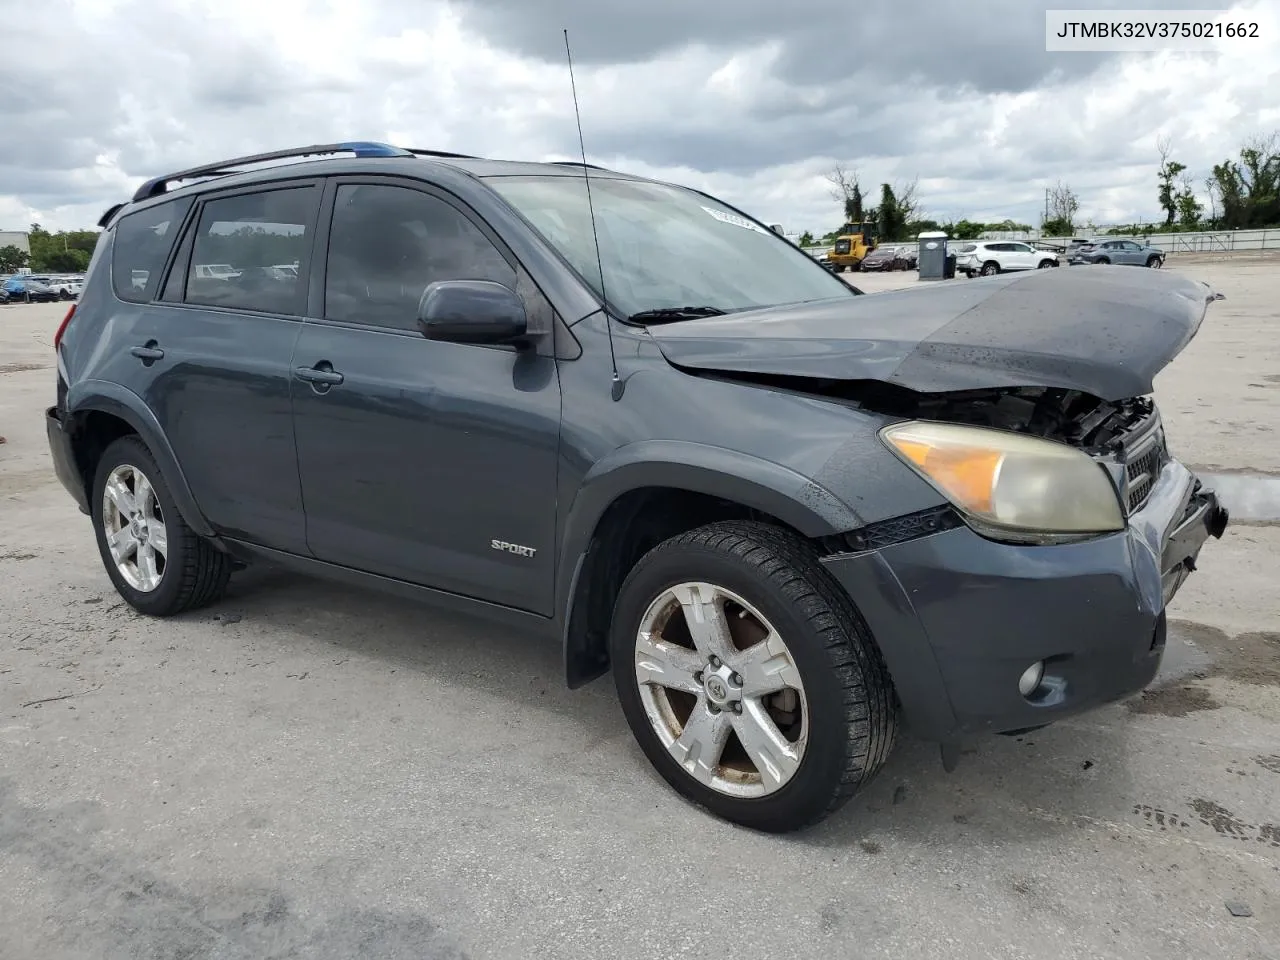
point(1159, 818)
point(1176, 701)
point(1227, 824)
point(1251, 658)
point(1250, 497)
point(1271, 763)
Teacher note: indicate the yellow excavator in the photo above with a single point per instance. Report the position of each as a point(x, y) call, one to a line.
point(854, 242)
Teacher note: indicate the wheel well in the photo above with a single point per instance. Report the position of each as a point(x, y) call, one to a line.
point(633, 524)
point(95, 431)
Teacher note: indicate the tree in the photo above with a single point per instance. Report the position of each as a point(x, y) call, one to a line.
point(1189, 208)
point(13, 259)
point(71, 260)
point(1169, 171)
point(806, 239)
point(1249, 191)
point(906, 202)
point(890, 221)
point(847, 192)
point(1063, 207)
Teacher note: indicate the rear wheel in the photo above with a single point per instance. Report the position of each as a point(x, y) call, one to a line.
point(990, 268)
point(156, 562)
point(1103, 260)
point(748, 678)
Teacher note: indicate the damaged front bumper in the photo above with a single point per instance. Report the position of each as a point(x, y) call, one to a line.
point(959, 618)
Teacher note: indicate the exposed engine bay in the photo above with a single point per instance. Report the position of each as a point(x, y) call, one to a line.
point(1069, 416)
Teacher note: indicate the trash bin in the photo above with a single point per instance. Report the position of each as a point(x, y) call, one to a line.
point(949, 269)
point(933, 255)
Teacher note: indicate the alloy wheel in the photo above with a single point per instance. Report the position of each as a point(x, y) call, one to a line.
point(135, 529)
point(721, 690)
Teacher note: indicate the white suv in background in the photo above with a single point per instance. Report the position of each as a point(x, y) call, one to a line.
point(987, 257)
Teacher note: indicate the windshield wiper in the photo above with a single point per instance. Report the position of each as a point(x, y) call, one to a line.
point(660, 314)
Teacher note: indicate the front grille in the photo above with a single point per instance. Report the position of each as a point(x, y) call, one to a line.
point(1142, 468)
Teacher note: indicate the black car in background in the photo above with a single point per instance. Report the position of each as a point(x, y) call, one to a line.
point(892, 257)
point(28, 290)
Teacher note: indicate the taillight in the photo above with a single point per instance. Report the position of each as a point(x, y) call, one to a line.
point(62, 327)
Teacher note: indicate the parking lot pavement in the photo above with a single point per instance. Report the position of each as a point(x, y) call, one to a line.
point(307, 771)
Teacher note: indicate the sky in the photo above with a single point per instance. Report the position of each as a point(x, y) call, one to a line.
point(751, 100)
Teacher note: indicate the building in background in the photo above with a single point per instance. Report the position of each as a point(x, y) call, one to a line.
point(16, 238)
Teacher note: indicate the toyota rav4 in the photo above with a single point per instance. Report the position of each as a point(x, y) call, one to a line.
point(787, 516)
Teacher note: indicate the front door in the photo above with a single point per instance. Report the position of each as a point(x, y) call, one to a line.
point(429, 462)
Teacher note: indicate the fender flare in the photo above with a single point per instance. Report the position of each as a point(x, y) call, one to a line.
point(102, 396)
point(763, 485)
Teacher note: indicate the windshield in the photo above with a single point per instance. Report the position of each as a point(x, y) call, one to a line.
point(665, 247)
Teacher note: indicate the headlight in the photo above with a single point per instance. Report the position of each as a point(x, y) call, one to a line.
point(1009, 485)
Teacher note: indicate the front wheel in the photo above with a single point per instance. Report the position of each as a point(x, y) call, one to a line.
point(748, 677)
point(157, 563)
point(1047, 264)
point(1154, 263)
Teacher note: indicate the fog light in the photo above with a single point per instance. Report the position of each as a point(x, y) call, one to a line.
point(1030, 679)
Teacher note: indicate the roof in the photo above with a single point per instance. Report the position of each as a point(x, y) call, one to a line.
point(351, 157)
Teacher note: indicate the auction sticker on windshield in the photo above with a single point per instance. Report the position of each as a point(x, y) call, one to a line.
point(735, 220)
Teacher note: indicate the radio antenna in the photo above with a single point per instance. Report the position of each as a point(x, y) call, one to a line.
point(595, 235)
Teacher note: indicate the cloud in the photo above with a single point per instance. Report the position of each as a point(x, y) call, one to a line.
point(748, 99)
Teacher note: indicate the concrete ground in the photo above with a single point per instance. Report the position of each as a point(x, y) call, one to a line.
point(307, 771)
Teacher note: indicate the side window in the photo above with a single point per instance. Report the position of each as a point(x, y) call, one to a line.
point(141, 247)
point(251, 251)
point(388, 243)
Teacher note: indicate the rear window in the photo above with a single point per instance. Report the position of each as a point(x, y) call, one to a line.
point(141, 247)
point(242, 246)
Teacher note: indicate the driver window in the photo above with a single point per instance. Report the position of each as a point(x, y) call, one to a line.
point(388, 243)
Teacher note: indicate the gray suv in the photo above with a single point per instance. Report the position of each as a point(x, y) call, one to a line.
point(629, 417)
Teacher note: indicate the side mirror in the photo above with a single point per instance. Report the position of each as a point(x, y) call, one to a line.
point(471, 311)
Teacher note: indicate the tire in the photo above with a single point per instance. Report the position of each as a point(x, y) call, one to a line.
point(989, 269)
point(1047, 264)
point(841, 721)
point(1102, 260)
point(189, 572)
point(1154, 263)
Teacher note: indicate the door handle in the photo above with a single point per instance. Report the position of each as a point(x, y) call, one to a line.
point(149, 353)
point(321, 373)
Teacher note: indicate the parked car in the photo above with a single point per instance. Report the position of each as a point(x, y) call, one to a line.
point(885, 258)
point(67, 288)
point(1125, 252)
point(988, 257)
point(789, 517)
point(29, 289)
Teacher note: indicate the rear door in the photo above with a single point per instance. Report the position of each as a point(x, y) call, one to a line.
point(428, 462)
point(211, 358)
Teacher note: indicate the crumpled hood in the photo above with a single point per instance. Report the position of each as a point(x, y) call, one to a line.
point(1104, 330)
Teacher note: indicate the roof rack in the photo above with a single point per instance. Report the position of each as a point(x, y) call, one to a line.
point(441, 153)
point(157, 186)
point(578, 163)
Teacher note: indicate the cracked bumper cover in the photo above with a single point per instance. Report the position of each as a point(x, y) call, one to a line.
point(960, 617)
